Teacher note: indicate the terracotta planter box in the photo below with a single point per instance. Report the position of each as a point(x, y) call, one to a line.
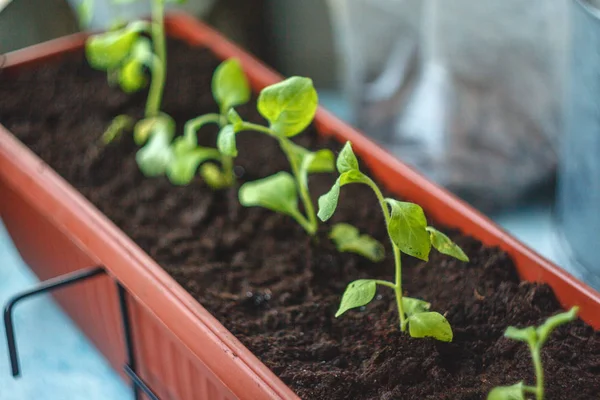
point(181, 350)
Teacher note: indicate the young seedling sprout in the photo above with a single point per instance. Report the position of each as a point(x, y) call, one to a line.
point(289, 107)
point(535, 339)
point(408, 232)
point(230, 88)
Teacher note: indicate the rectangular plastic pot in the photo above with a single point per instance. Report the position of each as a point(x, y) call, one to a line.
point(181, 350)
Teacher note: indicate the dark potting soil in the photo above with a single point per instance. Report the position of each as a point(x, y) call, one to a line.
point(271, 286)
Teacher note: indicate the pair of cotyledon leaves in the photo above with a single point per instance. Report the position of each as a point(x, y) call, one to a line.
point(535, 339)
point(408, 230)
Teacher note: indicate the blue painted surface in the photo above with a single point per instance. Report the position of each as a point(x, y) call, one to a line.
point(57, 360)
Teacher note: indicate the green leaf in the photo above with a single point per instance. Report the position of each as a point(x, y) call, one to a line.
point(234, 119)
point(186, 159)
point(346, 160)
point(347, 238)
point(85, 10)
point(430, 324)
point(357, 294)
point(314, 162)
point(118, 125)
point(328, 202)
point(544, 330)
point(108, 50)
point(213, 176)
point(445, 245)
point(407, 229)
point(320, 161)
point(226, 141)
point(132, 77)
point(513, 392)
point(147, 126)
point(289, 106)
point(229, 85)
point(527, 335)
point(154, 158)
point(414, 306)
point(276, 192)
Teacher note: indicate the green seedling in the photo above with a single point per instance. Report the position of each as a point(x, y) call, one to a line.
point(535, 339)
point(129, 53)
point(230, 88)
point(289, 107)
point(408, 232)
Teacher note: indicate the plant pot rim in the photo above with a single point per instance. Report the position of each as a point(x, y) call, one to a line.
point(149, 284)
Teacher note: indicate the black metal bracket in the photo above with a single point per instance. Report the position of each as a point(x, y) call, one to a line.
point(66, 280)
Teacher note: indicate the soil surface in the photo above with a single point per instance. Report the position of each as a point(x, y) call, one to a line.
point(270, 285)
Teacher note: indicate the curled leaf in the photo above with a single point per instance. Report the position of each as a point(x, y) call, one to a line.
point(346, 160)
point(407, 229)
point(214, 176)
point(445, 245)
point(147, 126)
point(186, 160)
point(513, 392)
point(289, 106)
point(347, 238)
point(132, 77)
point(276, 192)
point(156, 155)
point(226, 141)
point(328, 202)
point(414, 306)
point(430, 324)
point(357, 294)
point(108, 50)
point(229, 85)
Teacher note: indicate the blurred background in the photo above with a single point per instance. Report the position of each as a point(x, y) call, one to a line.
point(498, 101)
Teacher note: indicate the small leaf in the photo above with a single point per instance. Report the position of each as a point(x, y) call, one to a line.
point(118, 125)
point(276, 192)
point(154, 158)
point(147, 126)
point(85, 10)
point(108, 50)
point(234, 119)
point(544, 330)
point(430, 324)
point(527, 335)
point(414, 306)
point(346, 160)
point(226, 141)
point(347, 238)
point(186, 159)
point(407, 229)
point(513, 392)
point(357, 294)
point(213, 176)
point(328, 202)
point(322, 161)
point(289, 106)
point(229, 85)
point(132, 77)
point(445, 245)
point(315, 162)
